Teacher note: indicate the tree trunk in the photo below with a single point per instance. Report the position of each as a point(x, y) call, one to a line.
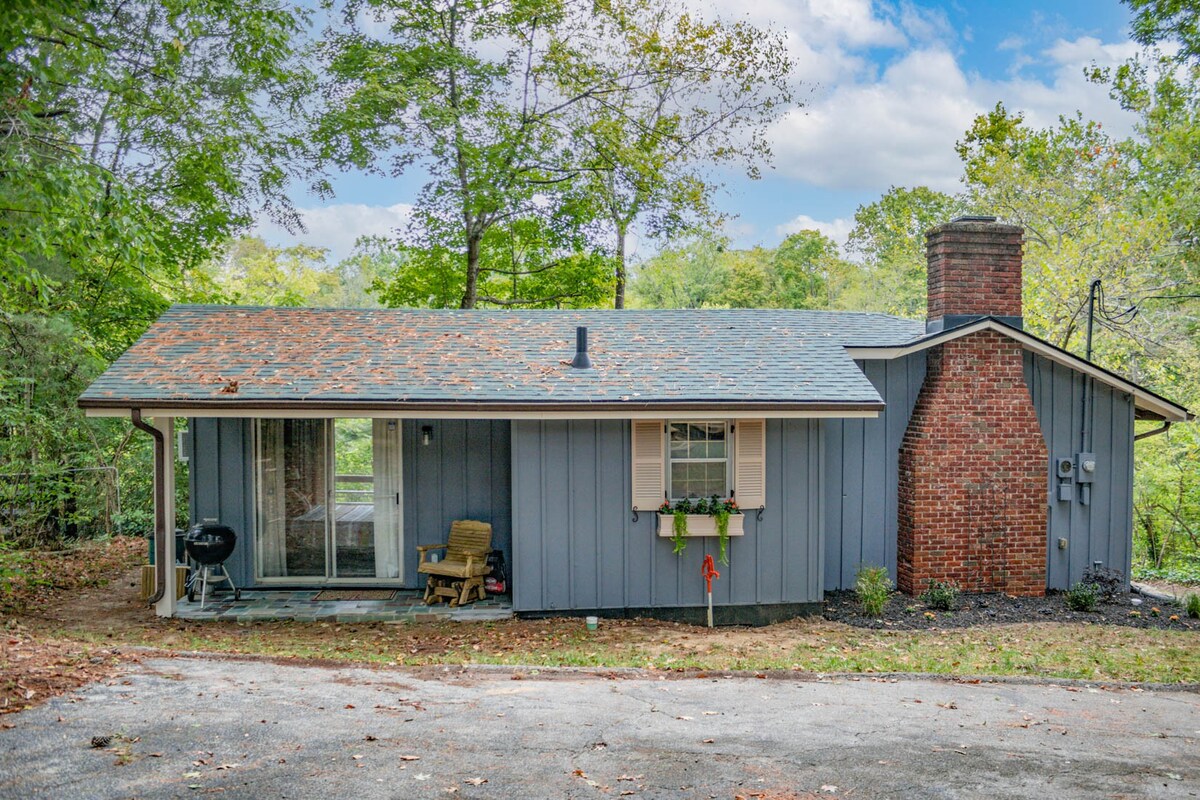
point(619, 293)
point(471, 291)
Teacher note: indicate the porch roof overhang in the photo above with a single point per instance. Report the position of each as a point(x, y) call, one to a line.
point(1148, 405)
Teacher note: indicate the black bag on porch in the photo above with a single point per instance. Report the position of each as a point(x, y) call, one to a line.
point(497, 580)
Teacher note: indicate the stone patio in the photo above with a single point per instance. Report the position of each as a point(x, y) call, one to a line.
point(407, 606)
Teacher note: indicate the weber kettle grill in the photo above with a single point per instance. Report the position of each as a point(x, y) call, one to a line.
point(209, 545)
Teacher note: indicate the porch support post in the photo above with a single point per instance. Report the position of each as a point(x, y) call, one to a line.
point(166, 606)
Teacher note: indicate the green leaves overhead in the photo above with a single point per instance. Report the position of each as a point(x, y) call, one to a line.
point(585, 115)
point(686, 95)
point(136, 137)
point(523, 263)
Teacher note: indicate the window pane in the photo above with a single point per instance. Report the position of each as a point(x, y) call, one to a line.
point(678, 480)
point(698, 459)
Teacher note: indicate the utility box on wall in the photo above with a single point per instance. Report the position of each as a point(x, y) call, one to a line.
point(1085, 474)
point(1064, 470)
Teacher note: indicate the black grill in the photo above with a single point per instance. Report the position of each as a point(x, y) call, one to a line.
point(210, 544)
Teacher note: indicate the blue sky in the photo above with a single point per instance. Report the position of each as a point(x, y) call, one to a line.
point(889, 88)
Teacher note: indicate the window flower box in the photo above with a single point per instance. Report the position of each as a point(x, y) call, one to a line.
point(700, 525)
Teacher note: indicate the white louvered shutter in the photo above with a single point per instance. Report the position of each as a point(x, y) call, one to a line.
point(750, 463)
point(649, 471)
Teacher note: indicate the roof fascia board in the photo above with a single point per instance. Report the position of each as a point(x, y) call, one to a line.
point(293, 412)
point(1143, 399)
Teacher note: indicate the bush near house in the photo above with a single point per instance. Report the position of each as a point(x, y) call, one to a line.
point(940, 595)
point(1082, 597)
point(872, 586)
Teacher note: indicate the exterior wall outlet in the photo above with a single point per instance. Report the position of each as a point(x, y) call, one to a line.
point(1062, 543)
point(1066, 492)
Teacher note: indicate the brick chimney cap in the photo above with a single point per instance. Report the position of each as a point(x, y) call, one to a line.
point(988, 218)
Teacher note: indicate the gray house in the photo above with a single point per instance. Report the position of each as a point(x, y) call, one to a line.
point(957, 448)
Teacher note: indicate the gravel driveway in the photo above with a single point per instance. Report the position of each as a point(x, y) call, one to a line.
point(193, 727)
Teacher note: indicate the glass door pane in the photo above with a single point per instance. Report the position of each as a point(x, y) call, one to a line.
point(292, 497)
point(329, 499)
point(354, 499)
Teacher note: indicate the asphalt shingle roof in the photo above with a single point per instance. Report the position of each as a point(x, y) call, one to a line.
point(235, 355)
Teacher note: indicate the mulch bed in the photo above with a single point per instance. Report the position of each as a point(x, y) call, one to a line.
point(909, 613)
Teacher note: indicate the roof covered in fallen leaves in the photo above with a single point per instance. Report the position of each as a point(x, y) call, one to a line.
point(215, 356)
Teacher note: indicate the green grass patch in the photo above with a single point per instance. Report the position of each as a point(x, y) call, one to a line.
point(1092, 652)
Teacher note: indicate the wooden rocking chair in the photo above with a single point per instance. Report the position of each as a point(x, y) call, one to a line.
point(458, 577)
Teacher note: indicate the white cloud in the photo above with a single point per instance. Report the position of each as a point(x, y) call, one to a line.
point(898, 130)
point(901, 128)
point(836, 229)
point(337, 227)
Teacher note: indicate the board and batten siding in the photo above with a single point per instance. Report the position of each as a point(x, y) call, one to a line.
point(463, 473)
point(221, 484)
point(862, 459)
point(1102, 530)
point(576, 546)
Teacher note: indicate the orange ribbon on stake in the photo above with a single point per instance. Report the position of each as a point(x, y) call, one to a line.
point(709, 571)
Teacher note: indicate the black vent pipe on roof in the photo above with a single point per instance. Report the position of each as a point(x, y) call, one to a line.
point(581, 360)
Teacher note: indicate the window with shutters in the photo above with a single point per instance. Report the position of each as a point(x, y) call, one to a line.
point(698, 459)
point(678, 459)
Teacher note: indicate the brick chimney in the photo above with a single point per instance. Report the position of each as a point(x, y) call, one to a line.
point(973, 485)
point(974, 271)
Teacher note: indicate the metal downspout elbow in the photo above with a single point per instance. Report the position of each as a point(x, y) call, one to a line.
point(160, 504)
point(1166, 426)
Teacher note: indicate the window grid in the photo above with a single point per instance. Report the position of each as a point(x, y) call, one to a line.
point(698, 459)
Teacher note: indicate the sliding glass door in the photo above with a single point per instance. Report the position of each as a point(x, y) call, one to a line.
point(329, 500)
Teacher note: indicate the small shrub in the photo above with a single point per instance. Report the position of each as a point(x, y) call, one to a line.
point(872, 585)
point(1110, 583)
point(1192, 606)
point(1083, 597)
point(941, 595)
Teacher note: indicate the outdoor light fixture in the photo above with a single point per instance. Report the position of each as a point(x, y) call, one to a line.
point(426, 434)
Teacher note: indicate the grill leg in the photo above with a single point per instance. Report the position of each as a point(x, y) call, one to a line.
point(204, 585)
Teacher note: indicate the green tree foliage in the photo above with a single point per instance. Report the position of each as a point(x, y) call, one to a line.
point(1075, 190)
point(522, 262)
point(686, 94)
point(250, 272)
point(135, 137)
point(806, 270)
point(467, 90)
point(1158, 21)
point(810, 272)
point(889, 239)
point(692, 275)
